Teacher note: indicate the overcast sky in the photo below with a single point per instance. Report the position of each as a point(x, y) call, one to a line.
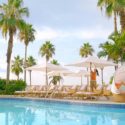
point(67, 24)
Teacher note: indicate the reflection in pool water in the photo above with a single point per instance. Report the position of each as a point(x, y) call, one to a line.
point(20, 112)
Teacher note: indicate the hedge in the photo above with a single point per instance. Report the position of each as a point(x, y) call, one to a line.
point(12, 86)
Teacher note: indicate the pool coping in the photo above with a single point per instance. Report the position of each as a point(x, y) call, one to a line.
point(67, 101)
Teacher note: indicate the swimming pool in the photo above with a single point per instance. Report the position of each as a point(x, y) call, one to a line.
point(36, 112)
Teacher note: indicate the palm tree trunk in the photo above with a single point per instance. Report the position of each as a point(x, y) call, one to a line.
point(116, 66)
point(9, 52)
point(46, 74)
point(17, 77)
point(25, 63)
point(122, 19)
point(115, 22)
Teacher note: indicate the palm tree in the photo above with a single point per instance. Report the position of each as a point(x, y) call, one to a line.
point(114, 48)
point(16, 66)
point(110, 10)
point(26, 35)
point(103, 52)
point(110, 50)
point(30, 62)
point(54, 61)
point(47, 50)
point(55, 79)
point(116, 7)
point(86, 50)
point(11, 20)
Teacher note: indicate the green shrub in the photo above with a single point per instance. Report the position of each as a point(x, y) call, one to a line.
point(14, 85)
point(2, 84)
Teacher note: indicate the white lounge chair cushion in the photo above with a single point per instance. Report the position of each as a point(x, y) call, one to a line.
point(40, 88)
point(99, 87)
point(33, 88)
point(27, 88)
point(108, 87)
point(73, 87)
point(83, 87)
point(59, 88)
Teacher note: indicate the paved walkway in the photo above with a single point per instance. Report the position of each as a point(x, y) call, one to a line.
point(100, 101)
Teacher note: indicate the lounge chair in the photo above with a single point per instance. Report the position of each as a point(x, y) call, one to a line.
point(88, 94)
point(49, 91)
point(65, 91)
point(38, 90)
point(79, 93)
point(26, 92)
point(99, 89)
point(103, 90)
point(57, 92)
point(69, 91)
point(107, 91)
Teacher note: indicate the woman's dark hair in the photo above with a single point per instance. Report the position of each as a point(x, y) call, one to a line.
point(97, 72)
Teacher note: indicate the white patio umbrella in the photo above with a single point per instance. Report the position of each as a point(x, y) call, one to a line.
point(88, 62)
point(83, 73)
point(60, 72)
point(99, 63)
point(43, 67)
point(80, 73)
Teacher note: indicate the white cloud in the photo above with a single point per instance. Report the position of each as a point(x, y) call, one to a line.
point(47, 33)
point(3, 64)
point(2, 40)
point(93, 34)
point(5, 40)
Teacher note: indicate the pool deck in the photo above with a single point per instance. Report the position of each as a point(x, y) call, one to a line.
point(103, 102)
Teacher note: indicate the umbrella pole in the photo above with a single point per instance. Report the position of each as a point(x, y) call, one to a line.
point(87, 78)
point(46, 74)
point(30, 77)
point(81, 80)
point(102, 75)
point(90, 76)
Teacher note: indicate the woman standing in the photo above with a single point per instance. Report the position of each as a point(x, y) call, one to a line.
point(93, 82)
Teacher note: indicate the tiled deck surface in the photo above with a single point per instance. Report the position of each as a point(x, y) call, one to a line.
point(100, 101)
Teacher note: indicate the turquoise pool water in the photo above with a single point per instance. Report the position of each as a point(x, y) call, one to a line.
point(29, 112)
